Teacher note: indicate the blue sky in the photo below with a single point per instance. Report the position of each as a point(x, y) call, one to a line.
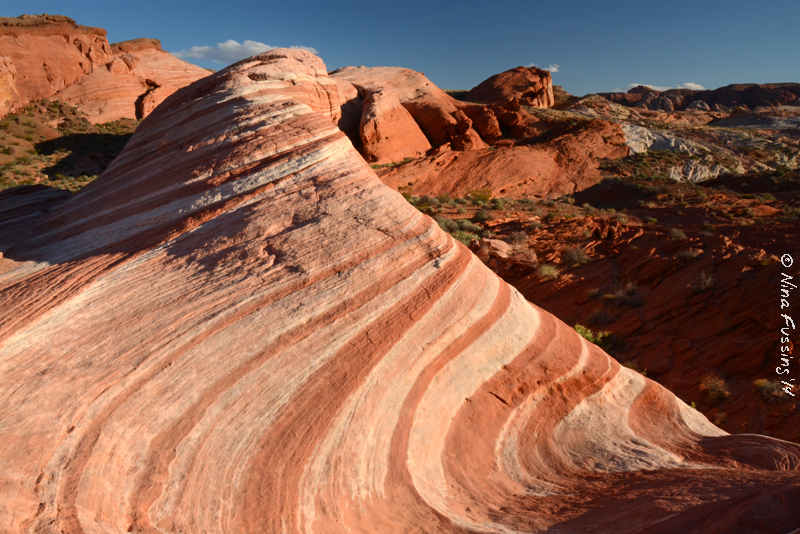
point(597, 46)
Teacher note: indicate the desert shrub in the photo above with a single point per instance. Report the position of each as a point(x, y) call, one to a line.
point(593, 292)
point(625, 294)
point(444, 199)
point(498, 203)
point(535, 225)
point(600, 317)
point(519, 238)
point(715, 388)
point(547, 271)
point(482, 216)
point(633, 365)
point(651, 220)
point(566, 199)
point(770, 390)
point(675, 233)
point(461, 211)
point(709, 227)
point(466, 226)
point(605, 340)
point(7, 151)
point(720, 418)
point(705, 282)
point(446, 224)
point(429, 200)
point(550, 216)
point(465, 237)
point(789, 214)
point(687, 255)
point(461, 201)
point(574, 256)
point(766, 197)
point(480, 195)
point(747, 212)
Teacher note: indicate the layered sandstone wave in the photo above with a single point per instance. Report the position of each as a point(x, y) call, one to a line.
point(50, 56)
point(239, 328)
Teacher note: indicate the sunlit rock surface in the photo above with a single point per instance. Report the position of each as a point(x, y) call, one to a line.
point(239, 328)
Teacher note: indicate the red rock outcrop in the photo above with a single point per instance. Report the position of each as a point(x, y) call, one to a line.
point(49, 56)
point(136, 80)
point(531, 86)
point(47, 53)
point(238, 328)
point(553, 168)
point(388, 132)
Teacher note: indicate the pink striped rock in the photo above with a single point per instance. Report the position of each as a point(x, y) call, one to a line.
point(238, 328)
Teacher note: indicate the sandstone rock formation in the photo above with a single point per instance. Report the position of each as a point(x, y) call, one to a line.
point(551, 168)
point(138, 78)
point(238, 328)
point(388, 132)
point(432, 109)
point(723, 99)
point(50, 56)
point(531, 86)
point(44, 54)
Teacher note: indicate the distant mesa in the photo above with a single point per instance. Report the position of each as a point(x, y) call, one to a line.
point(50, 56)
point(725, 99)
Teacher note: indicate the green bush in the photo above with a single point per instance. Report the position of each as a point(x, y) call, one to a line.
point(574, 256)
point(605, 340)
point(546, 271)
point(467, 226)
point(446, 224)
point(480, 195)
point(675, 233)
point(482, 216)
point(651, 220)
point(687, 255)
point(464, 237)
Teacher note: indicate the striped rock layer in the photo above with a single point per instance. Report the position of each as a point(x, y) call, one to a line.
point(238, 328)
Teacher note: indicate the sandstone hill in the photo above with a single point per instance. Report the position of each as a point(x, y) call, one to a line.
point(50, 56)
point(239, 328)
point(531, 86)
point(454, 146)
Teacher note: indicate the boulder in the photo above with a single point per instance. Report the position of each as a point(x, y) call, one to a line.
point(530, 85)
point(388, 131)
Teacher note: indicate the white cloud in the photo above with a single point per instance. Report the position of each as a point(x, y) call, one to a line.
point(230, 51)
point(688, 85)
point(692, 86)
point(552, 68)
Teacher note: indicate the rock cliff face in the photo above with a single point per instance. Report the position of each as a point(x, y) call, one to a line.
point(49, 56)
point(136, 80)
point(238, 328)
point(42, 55)
point(531, 86)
